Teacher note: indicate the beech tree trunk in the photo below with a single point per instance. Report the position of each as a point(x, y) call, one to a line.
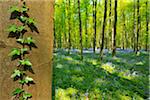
point(114, 30)
point(95, 23)
point(138, 26)
point(80, 30)
point(69, 27)
point(147, 29)
point(103, 30)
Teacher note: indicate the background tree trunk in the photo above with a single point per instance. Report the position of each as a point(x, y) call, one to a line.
point(95, 23)
point(80, 30)
point(147, 24)
point(138, 26)
point(114, 30)
point(103, 30)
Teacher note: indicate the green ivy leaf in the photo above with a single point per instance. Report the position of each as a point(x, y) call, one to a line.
point(29, 40)
point(21, 28)
point(27, 95)
point(23, 50)
point(13, 9)
point(25, 62)
point(15, 51)
point(16, 73)
point(12, 28)
point(22, 81)
point(17, 91)
point(31, 21)
point(28, 79)
point(24, 19)
point(22, 41)
point(24, 9)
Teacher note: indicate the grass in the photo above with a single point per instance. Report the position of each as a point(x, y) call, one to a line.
point(124, 77)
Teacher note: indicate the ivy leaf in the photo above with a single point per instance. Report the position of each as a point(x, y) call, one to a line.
point(28, 79)
point(17, 91)
point(21, 28)
point(24, 9)
point(27, 95)
point(31, 21)
point(23, 19)
point(12, 28)
point(21, 41)
point(29, 40)
point(15, 51)
point(23, 50)
point(13, 9)
point(25, 62)
point(22, 81)
point(16, 73)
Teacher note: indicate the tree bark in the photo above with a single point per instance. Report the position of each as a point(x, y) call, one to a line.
point(86, 24)
point(103, 30)
point(94, 22)
point(147, 29)
point(114, 30)
point(80, 30)
point(138, 26)
point(69, 27)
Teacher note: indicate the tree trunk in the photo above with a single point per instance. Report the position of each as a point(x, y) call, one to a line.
point(147, 23)
point(138, 26)
point(134, 28)
point(86, 24)
point(80, 30)
point(103, 30)
point(69, 27)
point(94, 22)
point(114, 30)
point(110, 26)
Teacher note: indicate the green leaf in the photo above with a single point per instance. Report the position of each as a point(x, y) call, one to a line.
point(21, 28)
point(30, 21)
point(27, 95)
point(13, 9)
point(16, 73)
point(24, 19)
point(22, 41)
point(29, 40)
point(22, 81)
point(25, 62)
point(28, 79)
point(15, 51)
point(23, 50)
point(12, 28)
point(17, 91)
point(24, 9)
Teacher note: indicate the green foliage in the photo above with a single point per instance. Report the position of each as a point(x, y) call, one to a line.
point(109, 80)
point(25, 62)
point(16, 73)
point(17, 91)
point(19, 74)
point(14, 8)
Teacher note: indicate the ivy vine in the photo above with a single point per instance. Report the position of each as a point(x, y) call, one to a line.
point(26, 43)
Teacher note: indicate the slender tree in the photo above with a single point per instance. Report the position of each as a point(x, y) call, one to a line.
point(69, 27)
point(114, 30)
point(95, 23)
point(138, 26)
point(134, 26)
point(80, 30)
point(103, 30)
point(110, 25)
point(147, 24)
point(86, 23)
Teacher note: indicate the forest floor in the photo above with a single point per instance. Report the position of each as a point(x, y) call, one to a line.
point(124, 77)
